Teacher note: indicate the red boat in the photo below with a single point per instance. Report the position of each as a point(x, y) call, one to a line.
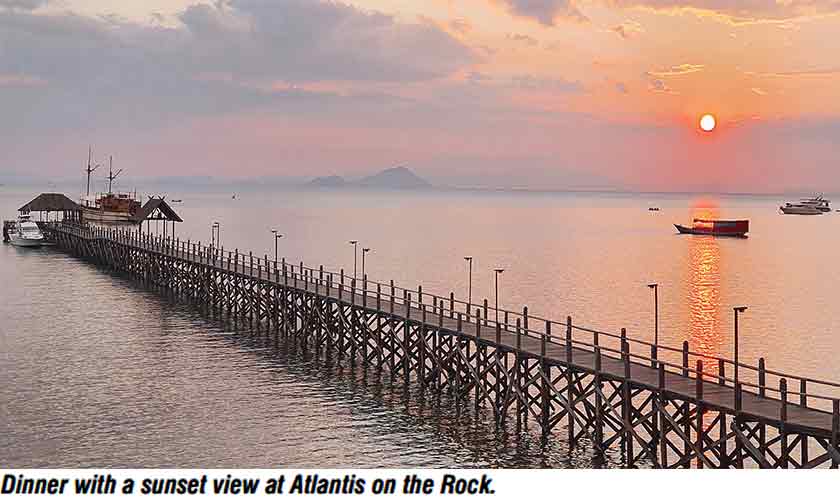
point(738, 228)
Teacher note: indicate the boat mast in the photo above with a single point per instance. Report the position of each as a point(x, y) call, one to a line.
point(89, 169)
point(111, 174)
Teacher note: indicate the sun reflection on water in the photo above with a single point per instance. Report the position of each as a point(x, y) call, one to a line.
point(704, 290)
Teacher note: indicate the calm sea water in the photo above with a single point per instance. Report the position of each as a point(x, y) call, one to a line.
point(97, 371)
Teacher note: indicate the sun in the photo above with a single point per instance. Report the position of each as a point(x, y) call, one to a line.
point(708, 123)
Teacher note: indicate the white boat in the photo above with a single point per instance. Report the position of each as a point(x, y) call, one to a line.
point(25, 233)
point(800, 209)
point(817, 202)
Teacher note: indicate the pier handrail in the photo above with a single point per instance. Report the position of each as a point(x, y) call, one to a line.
point(521, 323)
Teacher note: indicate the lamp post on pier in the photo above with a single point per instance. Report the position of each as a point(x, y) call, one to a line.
point(364, 251)
point(469, 286)
point(497, 272)
point(355, 244)
point(738, 310)
point(277, 236)
point(215, 230)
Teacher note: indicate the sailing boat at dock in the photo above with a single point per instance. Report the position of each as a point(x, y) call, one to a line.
point(108, 208)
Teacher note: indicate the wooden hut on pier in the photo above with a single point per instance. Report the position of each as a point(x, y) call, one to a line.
point(156, 209)
point(52, 204)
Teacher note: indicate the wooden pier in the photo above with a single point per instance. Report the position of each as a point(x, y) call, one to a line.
point(661, 406)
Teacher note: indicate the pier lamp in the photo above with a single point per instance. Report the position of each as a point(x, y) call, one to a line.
point(355, 244)
point(469, 286)
point(655, 288)
point(364, 251)
point(215, 230)
point(277, 236)
point(497, 272)
point(738, 310)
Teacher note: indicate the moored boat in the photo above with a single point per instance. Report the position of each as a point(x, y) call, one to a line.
point(715, 227)
point(109, 208)
point(23, 232)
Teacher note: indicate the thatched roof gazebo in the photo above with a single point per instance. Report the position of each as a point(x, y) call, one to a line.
point(54, 203)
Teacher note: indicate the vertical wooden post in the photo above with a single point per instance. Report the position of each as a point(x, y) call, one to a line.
point(406, 336)
point(485, 313)
point(569, 344)
point(451, 305)
point(498, 334)
point(543, 338)
point(803, 393)
point(685, 358)
point(478, 323)
point(835, 431)
point(762, 378)
point(599, 403)
point(663, 436)
point(698, 394)
point(518, 334)
point(626, 401)
point(525, 320)
point(364, 291)
point(783, 415)
point(721, 372)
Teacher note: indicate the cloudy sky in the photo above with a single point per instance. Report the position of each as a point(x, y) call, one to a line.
point(500, 93)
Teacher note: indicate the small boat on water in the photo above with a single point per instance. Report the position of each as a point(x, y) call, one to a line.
point(23, 232)
point(800, 209)
point(715, 227)
point(807, 206)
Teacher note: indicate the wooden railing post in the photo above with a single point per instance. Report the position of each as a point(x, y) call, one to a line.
point(699, 380)
point(485, 313)
point(762, 378)
point(784, 398)
point(518, 334)
point(803, 393)
point(546, 336)
point(721, 372)
point(625, 353)
point(783, 416)
point(835, 431)
point(451, 304)
point(685, 358)
point(478, 323)
point(525, 319)
point(568, 339)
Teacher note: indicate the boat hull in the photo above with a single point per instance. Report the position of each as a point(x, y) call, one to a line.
point(106, 217)
point(800, 211)
point(709, 232)
point(25, 242)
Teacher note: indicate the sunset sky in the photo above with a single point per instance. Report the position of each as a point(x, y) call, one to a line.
point(539, 94)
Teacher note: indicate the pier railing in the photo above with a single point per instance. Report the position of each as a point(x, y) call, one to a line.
point(481, 320)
